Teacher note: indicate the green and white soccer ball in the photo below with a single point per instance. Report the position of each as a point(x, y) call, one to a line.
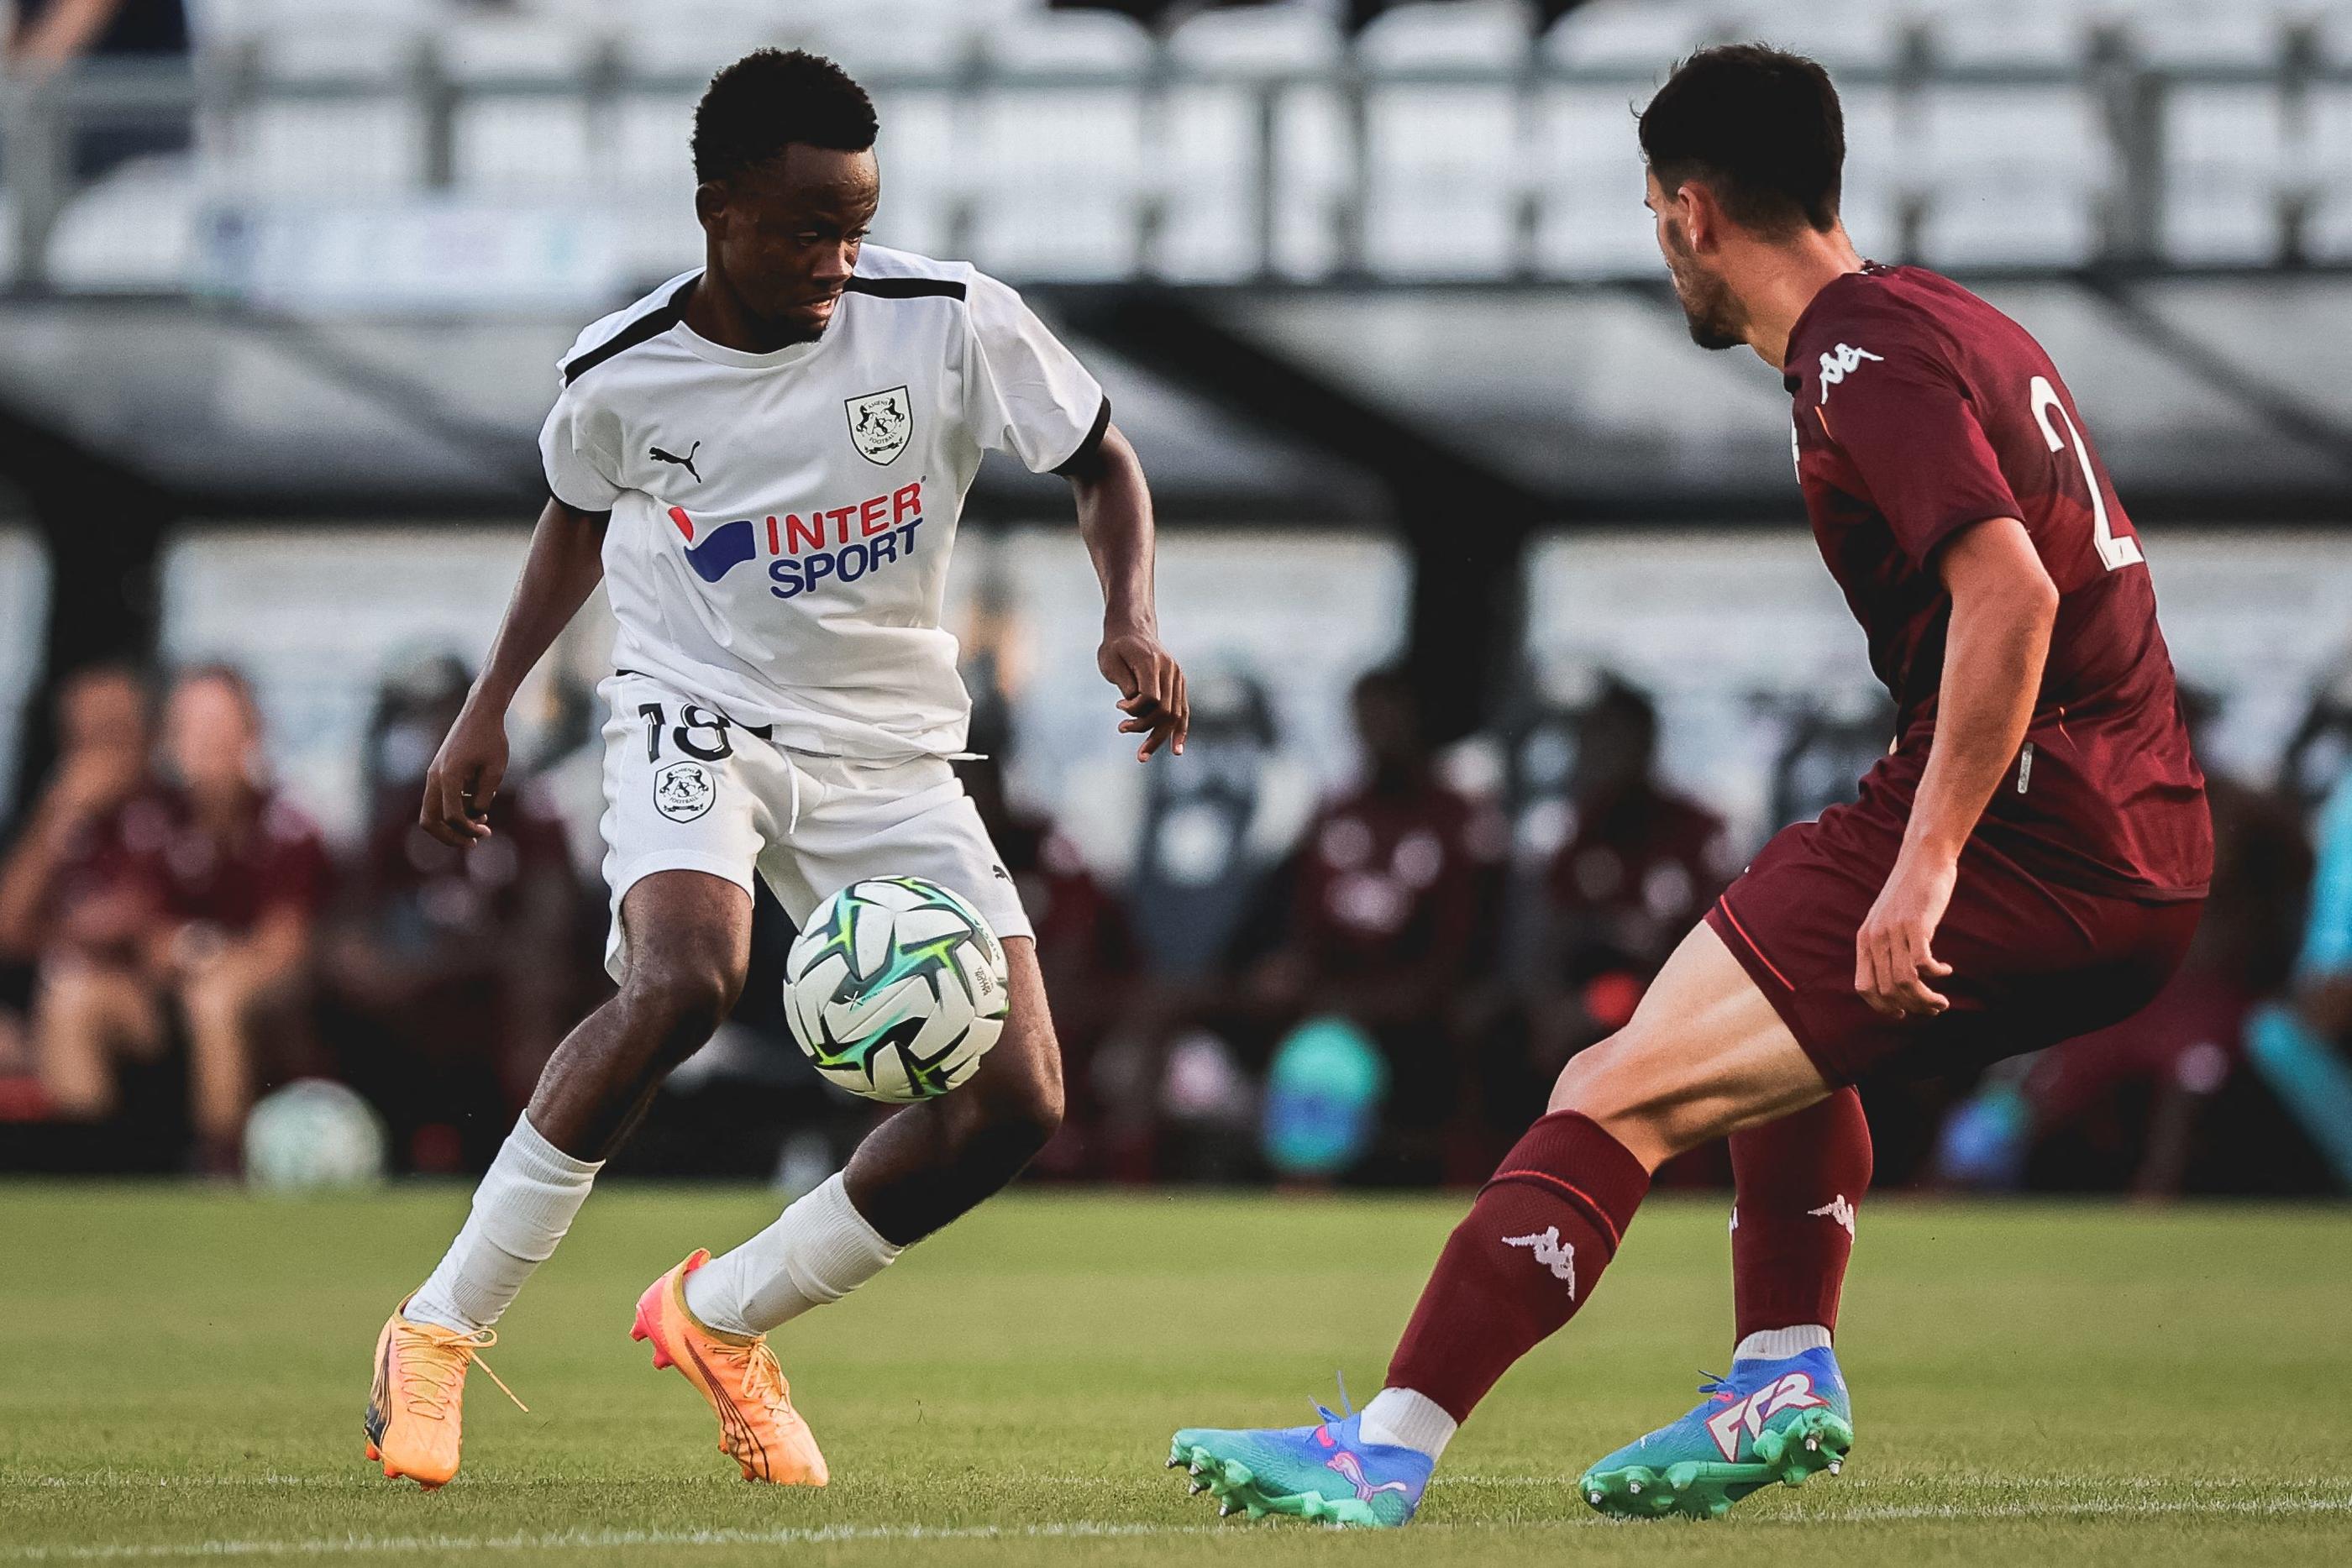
point(896, 988)
point(313, 1135)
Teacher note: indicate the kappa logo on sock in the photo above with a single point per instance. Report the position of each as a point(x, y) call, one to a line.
point(1837, 1211)
point(1554, 1254)
point(1794, 1392)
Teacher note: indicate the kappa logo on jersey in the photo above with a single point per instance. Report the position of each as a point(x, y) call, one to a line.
point(880, 425)
point(838, 544)
point(683, 791)
point(687, 462)
point(1794, 1392)
point(1841, 362)
point(1552, 1253)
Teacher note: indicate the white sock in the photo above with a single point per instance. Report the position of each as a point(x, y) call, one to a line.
point(818, 1250)
point(521, 1210)
point(1401, 1418)
point(1780, 1344)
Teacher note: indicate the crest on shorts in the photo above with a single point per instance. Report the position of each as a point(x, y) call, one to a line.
point(683, 791)
point(881, 423)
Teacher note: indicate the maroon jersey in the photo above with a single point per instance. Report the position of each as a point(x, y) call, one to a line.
point(1921, 410)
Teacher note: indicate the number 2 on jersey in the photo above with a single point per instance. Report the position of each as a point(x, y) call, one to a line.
point(2115, 549)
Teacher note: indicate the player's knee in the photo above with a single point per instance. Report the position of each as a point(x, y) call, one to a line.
point(1612, 1083)
point(682, 1000)
point(1024, 1109)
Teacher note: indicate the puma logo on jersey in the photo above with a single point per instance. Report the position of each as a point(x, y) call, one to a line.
point(687, 462)
point(1840, 361)
point(1794, 1392)
point(1837, 1211)
point(1554, 1254)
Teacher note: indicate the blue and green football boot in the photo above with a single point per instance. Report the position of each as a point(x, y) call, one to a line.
point(1325, 1472)
point(1781, 1420)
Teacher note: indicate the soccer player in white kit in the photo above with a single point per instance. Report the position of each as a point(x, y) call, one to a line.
point(763, 460)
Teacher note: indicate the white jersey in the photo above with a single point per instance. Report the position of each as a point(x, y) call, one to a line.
point(781, 522)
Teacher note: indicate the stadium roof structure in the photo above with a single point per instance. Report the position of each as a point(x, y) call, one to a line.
point(237, 415)
point(2213, 398)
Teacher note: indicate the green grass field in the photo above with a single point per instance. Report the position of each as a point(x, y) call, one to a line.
point(182, 1374)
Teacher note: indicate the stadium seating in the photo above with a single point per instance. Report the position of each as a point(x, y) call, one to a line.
point(1983, 132)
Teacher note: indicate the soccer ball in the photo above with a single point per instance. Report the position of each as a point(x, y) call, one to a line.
point(896, 988)
point(312, 1136)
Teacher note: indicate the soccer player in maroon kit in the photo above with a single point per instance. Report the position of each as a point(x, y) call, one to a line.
point(2026, 864)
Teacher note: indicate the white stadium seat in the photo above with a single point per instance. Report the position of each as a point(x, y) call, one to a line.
point(1587, 166)
point(2015, 176)
point(2008, 32)
point(1056, 172)
point(2229, 164)
point(1444, 158)
point(516, 142)
point(1645, 36)
point(1210, 154)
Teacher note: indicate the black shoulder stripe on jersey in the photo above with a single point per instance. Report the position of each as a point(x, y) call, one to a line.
point(644, 330)
point(907, 287)
point(1094, 438)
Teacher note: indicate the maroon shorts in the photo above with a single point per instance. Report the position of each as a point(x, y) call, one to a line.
point(2032, 963)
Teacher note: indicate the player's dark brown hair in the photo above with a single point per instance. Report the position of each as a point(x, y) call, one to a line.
point(1759, 127)
point(771, 98)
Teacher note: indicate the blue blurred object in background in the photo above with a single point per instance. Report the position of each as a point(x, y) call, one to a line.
point(1323, 1098)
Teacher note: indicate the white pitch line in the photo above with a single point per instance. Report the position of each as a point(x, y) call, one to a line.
point(347, 1545)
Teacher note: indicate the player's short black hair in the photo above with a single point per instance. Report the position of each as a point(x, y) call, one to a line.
point(1759, 127)
point(771, 98)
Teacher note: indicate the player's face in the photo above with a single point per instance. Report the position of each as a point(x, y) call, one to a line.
point(786, 234)
point(1714, 317)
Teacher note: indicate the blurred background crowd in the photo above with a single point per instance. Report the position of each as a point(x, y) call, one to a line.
point(1375, 984)
point(1508, 645)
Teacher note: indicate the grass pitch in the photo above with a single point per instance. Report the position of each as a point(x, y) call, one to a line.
point(182, 1374)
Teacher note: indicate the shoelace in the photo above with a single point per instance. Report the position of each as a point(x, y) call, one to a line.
point(1717, 1385)
point(435, 1364)
point(1346, 1407)
point(763, 1377)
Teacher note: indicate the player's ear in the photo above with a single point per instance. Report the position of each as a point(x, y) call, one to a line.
point(710, 205)
point(1698, 214)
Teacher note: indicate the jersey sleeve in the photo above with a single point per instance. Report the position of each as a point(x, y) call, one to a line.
point(579, 447)
point(1889, 398)
point(1024, 391)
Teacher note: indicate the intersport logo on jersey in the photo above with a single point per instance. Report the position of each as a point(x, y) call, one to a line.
point(832, 544)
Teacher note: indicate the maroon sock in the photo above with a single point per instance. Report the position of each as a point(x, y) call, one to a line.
point(1797, 1183)
point(1521, 1263)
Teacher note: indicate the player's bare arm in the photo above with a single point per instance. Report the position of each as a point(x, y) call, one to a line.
point(565, 563)
point(2003, 606)
point(1115, 516)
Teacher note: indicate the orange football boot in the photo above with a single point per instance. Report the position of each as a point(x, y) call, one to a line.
point(738, 1374)
point(417, 1410)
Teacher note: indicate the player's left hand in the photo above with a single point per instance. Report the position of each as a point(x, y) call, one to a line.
point(1151, 689)
point(1892, 959)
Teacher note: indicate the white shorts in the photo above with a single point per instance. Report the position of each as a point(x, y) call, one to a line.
point(688, 789)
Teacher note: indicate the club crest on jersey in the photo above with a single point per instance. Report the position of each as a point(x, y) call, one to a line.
point(683, 791)
point(1841, 362)
point(881, 423)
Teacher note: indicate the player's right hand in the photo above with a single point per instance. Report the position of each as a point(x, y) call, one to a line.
point(465, 777)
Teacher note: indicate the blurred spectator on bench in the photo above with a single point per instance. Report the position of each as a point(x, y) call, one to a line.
point(1640, 865)
point(194, 906)
point(1085, 947)
point(105, 736)
point(449, 975)
point(1385, 894)
point(2154, 1105)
